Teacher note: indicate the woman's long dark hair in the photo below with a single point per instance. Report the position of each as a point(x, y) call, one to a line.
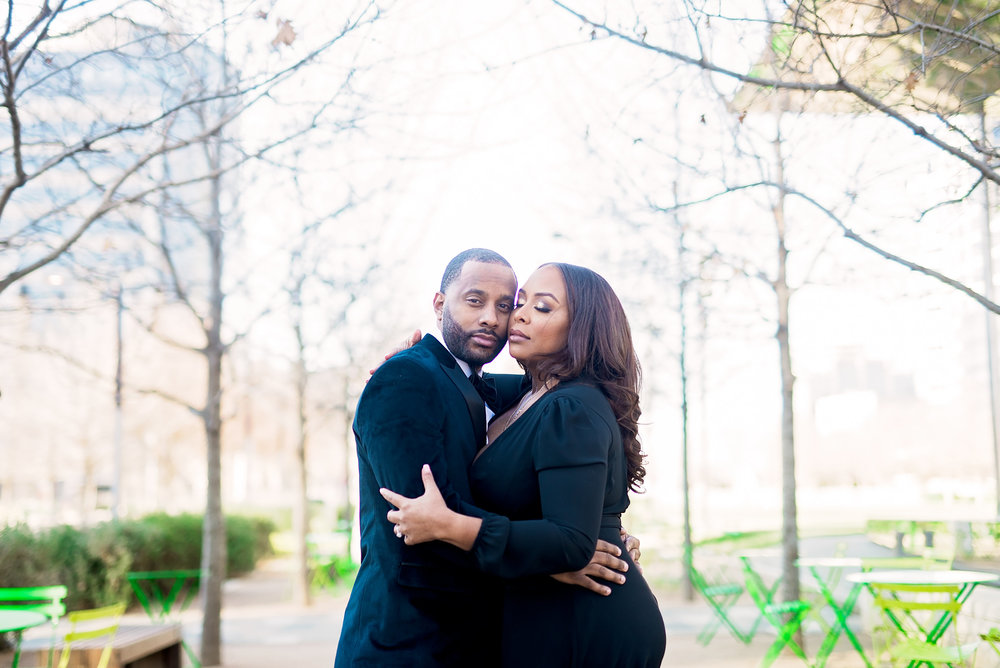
point(599, 348)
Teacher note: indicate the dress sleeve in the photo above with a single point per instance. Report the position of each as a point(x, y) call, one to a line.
point(570, 454)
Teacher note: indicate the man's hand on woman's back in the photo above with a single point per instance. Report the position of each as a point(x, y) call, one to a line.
point(408, 342)
point(604, 565)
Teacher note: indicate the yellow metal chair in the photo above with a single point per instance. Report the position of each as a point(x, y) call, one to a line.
point(992, 638)
point(869, 618)
point(916, 622)
point(99, 623)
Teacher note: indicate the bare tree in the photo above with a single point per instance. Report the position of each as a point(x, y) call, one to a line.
point(319, 304)
point(81, 87)
point(149, 145)
point(930, 67)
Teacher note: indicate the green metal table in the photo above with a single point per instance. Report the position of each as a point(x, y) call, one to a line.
point(841, 609)
point(16, 622)
point(164, 594)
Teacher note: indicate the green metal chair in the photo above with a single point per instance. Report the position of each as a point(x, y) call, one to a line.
point(786, 617)
point(811, 592)
point(720, 596)
point(49, 600)
point(915, 620)
point(166, 594)
point(327, 571)
point(328, 560)
point(108, 618)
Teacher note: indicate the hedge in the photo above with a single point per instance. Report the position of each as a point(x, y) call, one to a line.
point(93, 562)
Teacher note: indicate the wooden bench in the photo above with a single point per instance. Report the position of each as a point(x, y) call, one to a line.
point(136, 646)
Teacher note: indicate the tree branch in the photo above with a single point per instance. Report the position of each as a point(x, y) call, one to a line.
point(849, 234)
point(97, 375)
point(839, 86)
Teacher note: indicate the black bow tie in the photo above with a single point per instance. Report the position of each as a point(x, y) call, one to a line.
point(487, 389)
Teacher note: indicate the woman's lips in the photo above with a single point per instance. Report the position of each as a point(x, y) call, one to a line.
point(517, 335)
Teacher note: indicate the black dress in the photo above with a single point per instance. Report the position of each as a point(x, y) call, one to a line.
point(558, 473)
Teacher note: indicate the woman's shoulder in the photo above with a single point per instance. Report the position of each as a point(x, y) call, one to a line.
point(580, 390)
point(574, 426)
point(585, 395)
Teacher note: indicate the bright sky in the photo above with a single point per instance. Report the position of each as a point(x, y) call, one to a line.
point(485, 125)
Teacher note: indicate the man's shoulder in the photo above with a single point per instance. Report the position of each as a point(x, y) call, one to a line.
point(410, 378)
point(417, 359)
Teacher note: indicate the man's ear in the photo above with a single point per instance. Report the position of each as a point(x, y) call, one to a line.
point(439, 305)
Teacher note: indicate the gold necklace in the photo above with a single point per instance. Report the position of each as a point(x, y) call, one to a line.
point(527, 401)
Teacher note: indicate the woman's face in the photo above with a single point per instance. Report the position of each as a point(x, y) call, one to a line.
point(539, 325)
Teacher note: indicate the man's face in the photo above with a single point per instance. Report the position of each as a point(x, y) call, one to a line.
point(473, 314)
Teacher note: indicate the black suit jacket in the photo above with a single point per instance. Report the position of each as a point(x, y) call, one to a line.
point(421, 605)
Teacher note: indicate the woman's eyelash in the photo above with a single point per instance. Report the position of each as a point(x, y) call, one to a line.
point(538, 307)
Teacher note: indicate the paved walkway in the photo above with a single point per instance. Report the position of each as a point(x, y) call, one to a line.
point(262, 628)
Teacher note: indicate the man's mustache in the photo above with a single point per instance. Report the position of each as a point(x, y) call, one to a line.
point(485, 332)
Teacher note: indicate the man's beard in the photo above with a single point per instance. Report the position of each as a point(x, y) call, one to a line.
point(458, 342)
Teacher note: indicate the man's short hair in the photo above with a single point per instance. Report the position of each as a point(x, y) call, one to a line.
point(454, 267)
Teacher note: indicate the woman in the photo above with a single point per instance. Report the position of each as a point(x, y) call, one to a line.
point(559, 465)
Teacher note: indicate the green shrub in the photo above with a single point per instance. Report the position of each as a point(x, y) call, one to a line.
point(22, 562)
point(110, 561)
point(145, 541)
point(65, 548)
point(179, 545)
point(248, 539)
point(93, 563)
point(239, 545)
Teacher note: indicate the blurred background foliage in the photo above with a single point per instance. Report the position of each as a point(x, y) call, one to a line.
point(93, 561)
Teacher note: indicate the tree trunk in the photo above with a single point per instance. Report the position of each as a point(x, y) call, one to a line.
point(116, 486)
point(688, 548)
point(789, 516)
point(213, 556)
point(300, 510)
point(346, 518)
point(992, 372)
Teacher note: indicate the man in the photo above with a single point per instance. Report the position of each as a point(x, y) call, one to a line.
point(426, 605)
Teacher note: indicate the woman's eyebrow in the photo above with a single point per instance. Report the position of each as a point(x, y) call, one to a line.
point(545, 294)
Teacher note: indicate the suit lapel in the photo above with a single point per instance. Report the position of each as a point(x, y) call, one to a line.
point(473, 402)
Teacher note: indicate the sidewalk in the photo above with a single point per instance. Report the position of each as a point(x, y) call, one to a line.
point(261, 628)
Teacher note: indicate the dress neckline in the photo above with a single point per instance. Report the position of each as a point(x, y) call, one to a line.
point(507, 429)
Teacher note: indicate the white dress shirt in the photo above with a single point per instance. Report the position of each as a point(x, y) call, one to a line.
point(466, 369)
